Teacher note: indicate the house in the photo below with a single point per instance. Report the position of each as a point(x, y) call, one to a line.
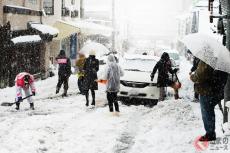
point(25, 40)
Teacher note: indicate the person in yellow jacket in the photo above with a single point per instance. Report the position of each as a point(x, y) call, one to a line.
point(80, 72)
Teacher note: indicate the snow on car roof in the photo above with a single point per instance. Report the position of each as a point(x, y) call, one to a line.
point(171, 51)
point(139, 56)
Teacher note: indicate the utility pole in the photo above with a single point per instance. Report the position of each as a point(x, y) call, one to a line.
point(113, 25)
point(82, 9)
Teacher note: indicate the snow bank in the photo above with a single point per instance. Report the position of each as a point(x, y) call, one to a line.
point(65, 125)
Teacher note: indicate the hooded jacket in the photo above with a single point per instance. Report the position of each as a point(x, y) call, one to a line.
point(113, 73)
point(163, 66)
point(20, 83)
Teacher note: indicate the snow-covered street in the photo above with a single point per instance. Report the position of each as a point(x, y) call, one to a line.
point(65, 125)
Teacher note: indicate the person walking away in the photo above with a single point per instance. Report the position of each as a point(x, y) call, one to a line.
point(164, 67)
point(90, 69)
point(64, 72)
point(80, 73)
point(194, 67)
point(113, 73)
point(24, 81)
point(210, 87)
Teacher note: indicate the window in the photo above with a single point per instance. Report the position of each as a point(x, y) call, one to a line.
point(33, 2)
point(74, 14)
point(48, 6)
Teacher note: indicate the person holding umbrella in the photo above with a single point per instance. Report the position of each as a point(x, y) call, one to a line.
point(210, 77)
point(90, 69)
point(210, 95)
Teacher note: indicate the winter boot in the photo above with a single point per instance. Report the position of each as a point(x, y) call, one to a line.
point(208, 137)
point(64, 94)
point(176, 96)
point(57, 90)
point(32, 106)
point(17, 106)
point(93, 102)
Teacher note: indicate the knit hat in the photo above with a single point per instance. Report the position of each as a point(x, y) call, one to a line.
point(92, 52)
point(62, 52)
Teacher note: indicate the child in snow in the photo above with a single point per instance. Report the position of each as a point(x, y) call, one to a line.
point(24, 81)
point(113, 73)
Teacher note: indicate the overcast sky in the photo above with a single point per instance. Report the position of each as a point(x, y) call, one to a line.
point(146, 16)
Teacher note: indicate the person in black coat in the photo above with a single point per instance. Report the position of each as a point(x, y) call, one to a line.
point(64, 72)
point(164, 67)
point(194, 67)
point(90, 69)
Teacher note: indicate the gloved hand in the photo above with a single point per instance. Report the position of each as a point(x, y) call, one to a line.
point(151, 76)
point(19, 99)
point(175, 70)
point(33, 92)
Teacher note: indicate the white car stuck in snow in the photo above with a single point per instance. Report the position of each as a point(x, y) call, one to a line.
point(136, 86)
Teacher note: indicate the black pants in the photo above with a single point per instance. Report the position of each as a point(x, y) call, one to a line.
point(87, 97)
point(61, 80)
point(112, 99)
point(80, 84)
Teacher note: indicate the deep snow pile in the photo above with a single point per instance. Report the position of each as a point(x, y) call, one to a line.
point(64, 125)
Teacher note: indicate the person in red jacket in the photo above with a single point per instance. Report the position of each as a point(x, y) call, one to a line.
point(24, 81)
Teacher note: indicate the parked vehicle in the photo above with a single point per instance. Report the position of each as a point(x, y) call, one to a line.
point(136, 86)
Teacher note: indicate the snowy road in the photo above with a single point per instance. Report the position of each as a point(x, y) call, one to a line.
point(64, 125)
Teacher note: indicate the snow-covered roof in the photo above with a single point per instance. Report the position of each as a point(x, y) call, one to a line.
point(45, 29)
point(27, 38)
point(90, 28)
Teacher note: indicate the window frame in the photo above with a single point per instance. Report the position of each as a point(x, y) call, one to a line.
point(51, 8)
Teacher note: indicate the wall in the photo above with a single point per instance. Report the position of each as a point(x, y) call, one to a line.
point(19, 21)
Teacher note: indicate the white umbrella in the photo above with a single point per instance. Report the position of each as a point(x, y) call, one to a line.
point(99, 49)
point(209, 50)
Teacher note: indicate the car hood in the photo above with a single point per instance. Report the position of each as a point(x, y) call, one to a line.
point(138, 76)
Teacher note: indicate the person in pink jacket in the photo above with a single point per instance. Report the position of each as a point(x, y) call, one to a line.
point(24, 81)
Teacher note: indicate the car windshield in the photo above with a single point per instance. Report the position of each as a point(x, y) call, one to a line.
point(174, 56)
point(143, 65)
